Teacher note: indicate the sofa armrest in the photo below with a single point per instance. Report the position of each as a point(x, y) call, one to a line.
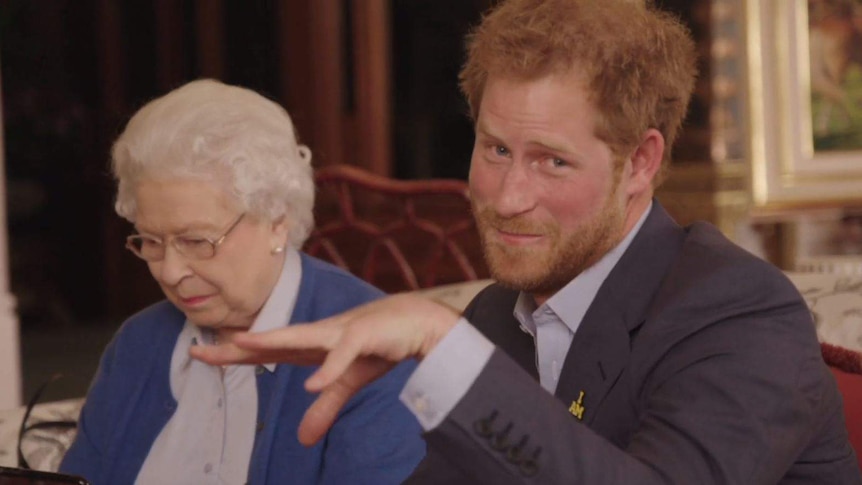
point(835, 301)
point(43, 448)
point(456, 295)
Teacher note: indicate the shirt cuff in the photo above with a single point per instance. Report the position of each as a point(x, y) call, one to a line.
point(446, 374)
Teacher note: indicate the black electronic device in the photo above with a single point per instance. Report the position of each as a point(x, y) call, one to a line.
point(23, 476)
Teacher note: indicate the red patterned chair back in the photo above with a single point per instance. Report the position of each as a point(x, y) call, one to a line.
point(846, 366)
point(398, 235)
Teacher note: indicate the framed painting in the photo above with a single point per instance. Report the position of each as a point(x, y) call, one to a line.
point(804, 102)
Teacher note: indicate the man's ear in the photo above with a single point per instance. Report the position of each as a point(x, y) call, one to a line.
point(644, 162)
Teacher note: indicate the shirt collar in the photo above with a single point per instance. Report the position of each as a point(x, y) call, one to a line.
point(571, 303)
point(279, 306)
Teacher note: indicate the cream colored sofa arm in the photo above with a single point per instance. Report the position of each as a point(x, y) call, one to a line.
point(456, 295)
point(835, 301)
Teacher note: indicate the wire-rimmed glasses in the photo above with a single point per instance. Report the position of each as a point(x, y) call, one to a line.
point(152, 249)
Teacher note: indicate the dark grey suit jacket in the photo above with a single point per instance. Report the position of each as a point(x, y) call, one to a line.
point(697, 363)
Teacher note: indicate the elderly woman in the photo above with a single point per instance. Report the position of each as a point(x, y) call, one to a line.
point(221, 199)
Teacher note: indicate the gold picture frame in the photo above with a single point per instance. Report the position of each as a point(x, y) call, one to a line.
point(787, 169)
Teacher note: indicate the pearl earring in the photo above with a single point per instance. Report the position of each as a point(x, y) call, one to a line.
point(277, 250)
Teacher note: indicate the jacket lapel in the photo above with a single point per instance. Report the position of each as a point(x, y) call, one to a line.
point(491, 312)
point(597, 356)
point(601, 346)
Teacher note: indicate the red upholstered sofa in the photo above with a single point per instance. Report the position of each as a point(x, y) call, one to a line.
point(846, 366)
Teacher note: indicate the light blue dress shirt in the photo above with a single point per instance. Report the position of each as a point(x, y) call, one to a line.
point(554, 323)
point(448, 371)
point(210, 436)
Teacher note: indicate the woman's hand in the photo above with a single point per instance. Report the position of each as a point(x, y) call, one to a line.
point(353, 348)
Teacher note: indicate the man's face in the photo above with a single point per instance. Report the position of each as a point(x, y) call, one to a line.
point(543, 187)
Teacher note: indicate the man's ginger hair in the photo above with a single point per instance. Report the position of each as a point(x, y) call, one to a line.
point(638, 63)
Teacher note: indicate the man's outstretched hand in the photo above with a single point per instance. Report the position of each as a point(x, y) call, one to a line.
point(353, 348)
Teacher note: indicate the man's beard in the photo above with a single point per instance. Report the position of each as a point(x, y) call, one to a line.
point(545, 270)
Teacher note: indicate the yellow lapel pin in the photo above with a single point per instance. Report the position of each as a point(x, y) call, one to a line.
point(577, 407)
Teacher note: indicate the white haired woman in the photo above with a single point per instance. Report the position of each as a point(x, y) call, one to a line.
point(221, 197)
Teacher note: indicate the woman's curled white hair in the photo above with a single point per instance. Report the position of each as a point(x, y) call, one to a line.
point(224, 134)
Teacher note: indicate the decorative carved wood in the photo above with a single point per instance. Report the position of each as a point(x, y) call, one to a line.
point(399, 235)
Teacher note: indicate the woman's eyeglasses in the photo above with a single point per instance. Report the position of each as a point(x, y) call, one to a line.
point(152, 249)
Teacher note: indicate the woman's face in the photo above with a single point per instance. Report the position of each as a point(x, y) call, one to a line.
point(229, 289)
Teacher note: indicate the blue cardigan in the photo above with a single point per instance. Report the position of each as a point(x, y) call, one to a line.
point(375, 439)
